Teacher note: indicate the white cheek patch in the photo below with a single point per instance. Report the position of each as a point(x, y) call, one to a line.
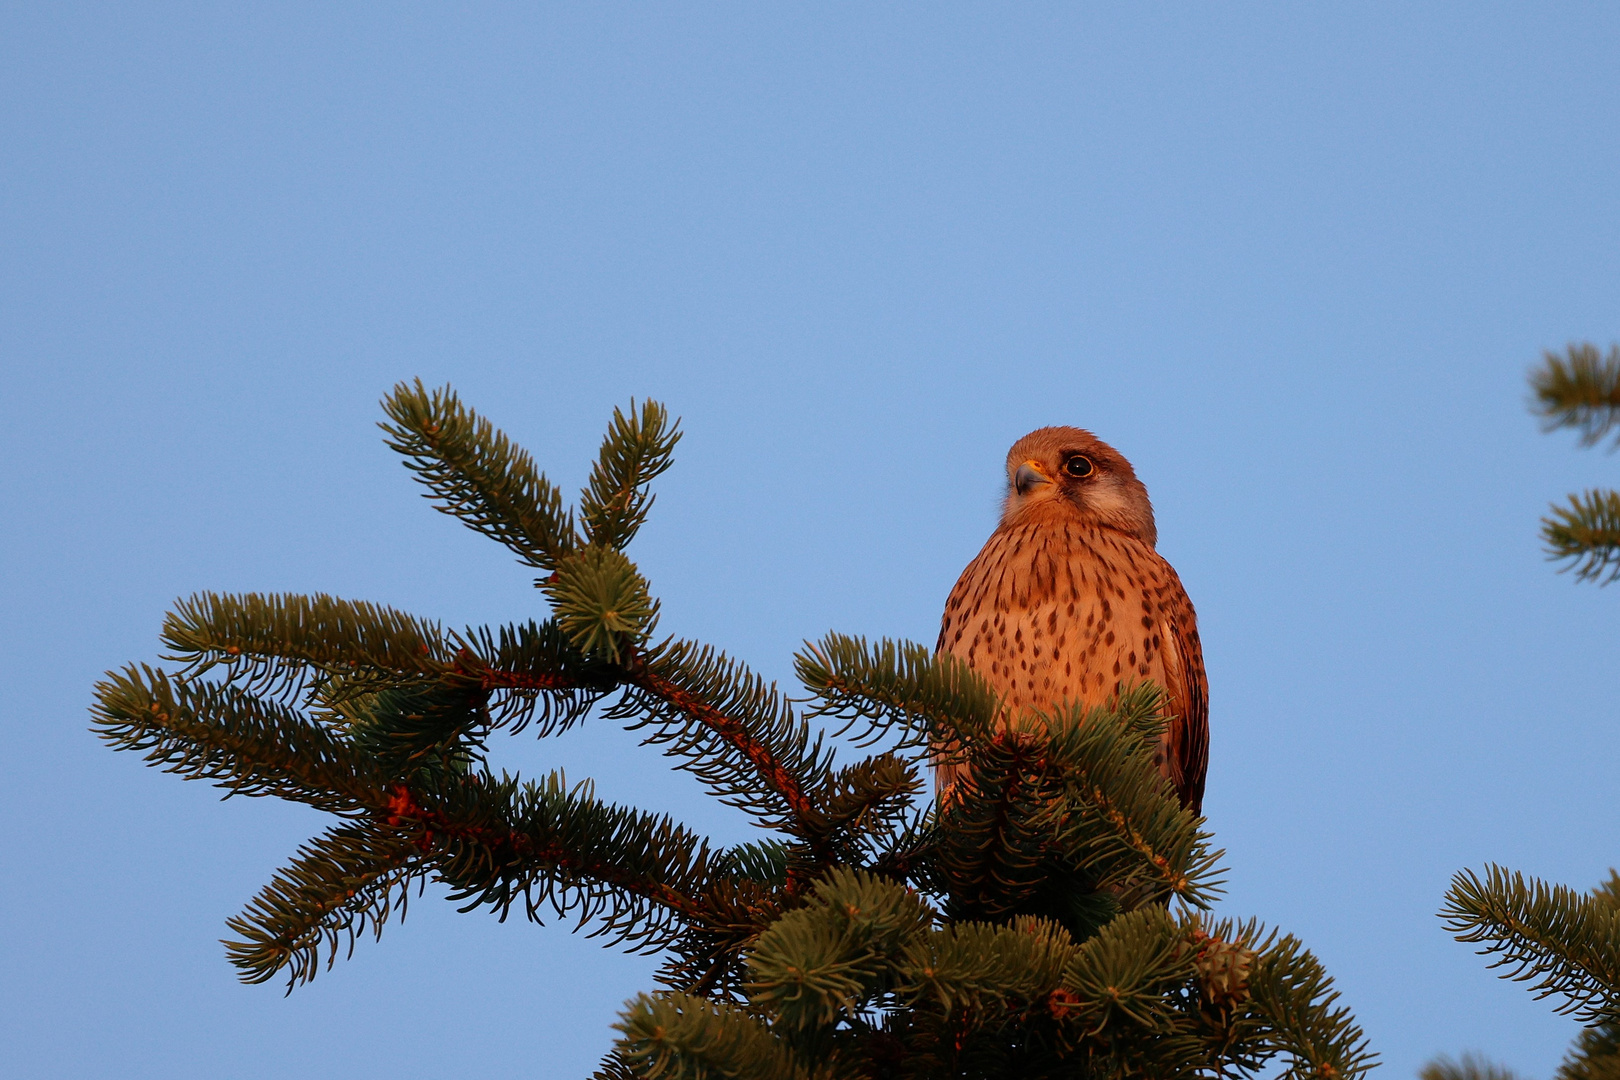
point(1107, 498)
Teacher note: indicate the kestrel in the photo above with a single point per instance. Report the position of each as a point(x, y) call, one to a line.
point(1069, 602)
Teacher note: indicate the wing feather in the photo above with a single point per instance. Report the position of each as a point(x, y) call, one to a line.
point(1188, 734)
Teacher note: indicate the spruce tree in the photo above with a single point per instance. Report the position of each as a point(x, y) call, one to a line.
point(1051, 921)
point(1566, 944)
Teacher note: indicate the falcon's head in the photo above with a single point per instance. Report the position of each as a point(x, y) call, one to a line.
point(1063, 472)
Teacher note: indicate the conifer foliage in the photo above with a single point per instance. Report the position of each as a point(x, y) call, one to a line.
point(1565, 943)
point(1581, 390)
point(1050, 921)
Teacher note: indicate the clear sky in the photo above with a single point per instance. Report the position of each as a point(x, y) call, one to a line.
point(1293, 260)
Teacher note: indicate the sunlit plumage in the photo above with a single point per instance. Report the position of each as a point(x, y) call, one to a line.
point(1069, 602)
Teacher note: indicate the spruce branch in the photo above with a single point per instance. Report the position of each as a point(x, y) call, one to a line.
point(1131, 830)
point(339, 649)
point(475, 473)
point(1057, 807)
point(614, 1067)
point(707, 958)
point(437, 725)
point(497, 841)
point(930, 697)
point(1586, 534)
point(534, 674)
point(732, 730)
point(1292, 993)
point(269, 642)
point(1142, 710)
point(860, 805)
point(763, 861)
point(827, 959)
point(1123, 974)
point(1467, 1067)
point(638, 447)
point(984, 969)
point(1580, 390)
point(1566, 943)
point(342, 884)
point(1595, 1054)
point(206, 731)
point(680, 1037)
point(993, 841)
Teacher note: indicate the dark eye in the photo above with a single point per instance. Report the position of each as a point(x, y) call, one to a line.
point(1078, 465)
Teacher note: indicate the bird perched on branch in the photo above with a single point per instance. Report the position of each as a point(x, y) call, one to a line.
point(1069, 602)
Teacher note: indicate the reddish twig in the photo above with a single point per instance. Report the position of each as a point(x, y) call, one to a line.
point(469, 666)
point(402, 808)
point(777, 775)
point(490, 679)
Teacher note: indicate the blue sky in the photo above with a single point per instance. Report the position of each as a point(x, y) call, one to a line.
point(1294, 261)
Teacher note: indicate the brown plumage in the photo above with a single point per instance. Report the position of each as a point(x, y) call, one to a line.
point(1069, 602)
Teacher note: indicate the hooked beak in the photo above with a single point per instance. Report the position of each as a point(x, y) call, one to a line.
point(1029, 475)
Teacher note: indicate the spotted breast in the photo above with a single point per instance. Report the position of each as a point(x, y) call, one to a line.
point(1069, 601)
